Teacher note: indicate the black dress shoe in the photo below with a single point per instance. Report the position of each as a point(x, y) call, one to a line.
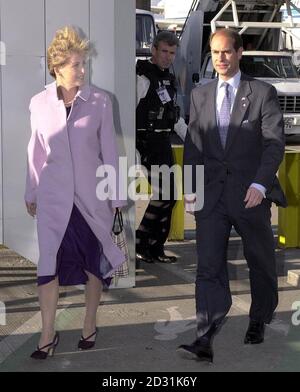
point(163, 258)
point(145, 256)
point(255, 332)
point(198, 351)
point(201, 349)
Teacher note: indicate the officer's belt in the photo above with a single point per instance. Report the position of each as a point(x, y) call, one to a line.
point(155, 130)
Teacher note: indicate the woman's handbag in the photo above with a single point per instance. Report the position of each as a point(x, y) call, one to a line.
point(119, 238)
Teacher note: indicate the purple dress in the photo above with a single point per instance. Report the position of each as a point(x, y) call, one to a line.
point(80, 251)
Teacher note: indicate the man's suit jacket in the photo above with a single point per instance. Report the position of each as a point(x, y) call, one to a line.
point(254, 146)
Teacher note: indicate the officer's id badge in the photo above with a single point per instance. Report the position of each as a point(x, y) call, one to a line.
point(163, 95)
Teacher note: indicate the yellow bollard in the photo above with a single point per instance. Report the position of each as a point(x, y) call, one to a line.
point(289, 218)
point(177, 222)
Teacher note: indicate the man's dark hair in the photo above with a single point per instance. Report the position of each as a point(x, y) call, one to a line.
point(234, 35)
point(166, 36)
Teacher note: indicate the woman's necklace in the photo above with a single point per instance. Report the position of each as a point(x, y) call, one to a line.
point(69, 103)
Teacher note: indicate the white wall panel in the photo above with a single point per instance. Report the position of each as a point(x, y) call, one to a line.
point(103, 65)
point(22, 27)
point(60, 13)
point(1, 184)
point(23, 33)
point(22, 77)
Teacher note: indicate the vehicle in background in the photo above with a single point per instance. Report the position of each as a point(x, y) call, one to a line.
point(276, 68)
point(145, 33)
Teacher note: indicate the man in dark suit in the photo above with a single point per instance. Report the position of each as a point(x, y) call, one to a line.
point(236, 132)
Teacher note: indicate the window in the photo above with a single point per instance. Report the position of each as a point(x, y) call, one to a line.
point(268, 67)
point(145, 33)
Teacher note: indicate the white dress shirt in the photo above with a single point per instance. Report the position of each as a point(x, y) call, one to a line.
point(233, 88)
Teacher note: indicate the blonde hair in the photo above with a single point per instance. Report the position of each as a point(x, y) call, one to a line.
point(65, 42)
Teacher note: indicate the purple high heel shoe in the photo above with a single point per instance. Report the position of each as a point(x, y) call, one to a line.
point(40, 354)
point(85, 344)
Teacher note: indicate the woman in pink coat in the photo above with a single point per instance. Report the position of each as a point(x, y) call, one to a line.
point(72, 135)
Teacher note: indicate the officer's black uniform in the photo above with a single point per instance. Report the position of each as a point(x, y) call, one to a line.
point(154, 146)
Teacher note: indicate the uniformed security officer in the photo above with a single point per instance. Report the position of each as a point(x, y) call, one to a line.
point(156, 116)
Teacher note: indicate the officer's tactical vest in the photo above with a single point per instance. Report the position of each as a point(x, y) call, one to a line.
point(165, 113)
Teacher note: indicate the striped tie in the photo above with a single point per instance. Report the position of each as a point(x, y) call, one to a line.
point(224, 115)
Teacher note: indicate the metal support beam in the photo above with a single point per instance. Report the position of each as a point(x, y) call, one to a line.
point(290, 33)
point(243, 30)
point(266, 30)
point(213, 23)
point(235, 14)
point(289, 11)
point(262, 25)
point(216, 22)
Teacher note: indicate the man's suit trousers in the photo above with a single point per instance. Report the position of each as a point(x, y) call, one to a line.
point(213, 297)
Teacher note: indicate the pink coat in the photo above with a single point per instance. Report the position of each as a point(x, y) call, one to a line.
point(63, 156)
